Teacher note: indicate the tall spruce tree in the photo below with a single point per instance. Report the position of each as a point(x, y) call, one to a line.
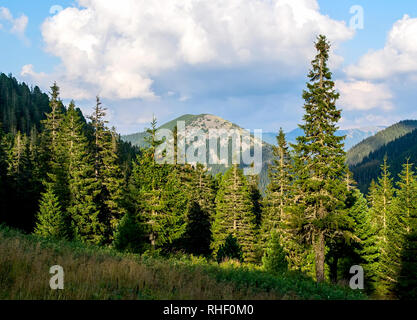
point(235, 213)
point(155, 196)
point(82, 184)
point(406, 286)
point(394, 221)
point(107, 172)
point(278, 190)
point(319, 166)
point(383, 217)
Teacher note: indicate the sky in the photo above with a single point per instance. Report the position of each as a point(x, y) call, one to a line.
point(243, 60)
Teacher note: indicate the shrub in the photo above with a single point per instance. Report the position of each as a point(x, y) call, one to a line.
point(230, 249)
point(274, 260)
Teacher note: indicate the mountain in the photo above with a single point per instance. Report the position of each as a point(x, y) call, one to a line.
point(206, 122)
point(359, 152)
point(397, 152)
point(353, 136)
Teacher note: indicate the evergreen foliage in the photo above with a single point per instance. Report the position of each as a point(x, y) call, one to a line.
point(51, 219)
point(274, 259)
point(235, 213)
point(230, 249)
point(319, 191)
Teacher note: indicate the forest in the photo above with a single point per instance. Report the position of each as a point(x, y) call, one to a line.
point(67, 177)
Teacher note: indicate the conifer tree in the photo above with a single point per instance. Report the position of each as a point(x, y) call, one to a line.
point(51, 221)
point(395, 218)
point(3, 177)
point(22, 202)
point(384, 215)
point(319, 166)
point(54, 117)
point(82, 184)
point(406, 286)
point(129, 236)
point(274, 259)
point(156, 196)
point(230, 249)
point(235, 213)
point(107, 172)
point(55, 152)
point(278, 190)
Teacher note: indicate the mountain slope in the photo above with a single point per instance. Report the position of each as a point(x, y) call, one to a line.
point(397, 152)
point(357, 154)
point(206, 122)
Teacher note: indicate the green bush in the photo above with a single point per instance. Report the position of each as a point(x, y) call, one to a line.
point(129, 235)
point(230, 249)
point(274, 260)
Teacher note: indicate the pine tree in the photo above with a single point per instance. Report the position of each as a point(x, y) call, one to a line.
point(21, 200)
point(82, 184)
point(54, 117)
point(55, 152)
point(156, 196)
point(383, 218)
point(129, 236)
point(274, 259)
point(51, 221)
point(397, 217)
point(230, 249)
point(235, 213)
point(319, 203)
point(278, 190)
point(197, 236)
point(406, 286)
point(107, 171)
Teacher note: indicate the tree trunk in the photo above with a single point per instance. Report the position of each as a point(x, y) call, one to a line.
point(319, 251)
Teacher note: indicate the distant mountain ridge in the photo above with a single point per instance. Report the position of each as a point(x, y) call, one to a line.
point(397, 152)
point(353, 136)
point(359, 152)
point(206, 122)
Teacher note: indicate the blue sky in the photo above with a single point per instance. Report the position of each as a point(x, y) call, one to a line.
point(245, 61)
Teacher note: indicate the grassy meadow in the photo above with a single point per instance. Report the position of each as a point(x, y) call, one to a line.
point(103, 274)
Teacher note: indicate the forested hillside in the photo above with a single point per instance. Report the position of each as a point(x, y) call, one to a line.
point(371, 144)
point(32, 125)
point(21, 107)
point(397, 153)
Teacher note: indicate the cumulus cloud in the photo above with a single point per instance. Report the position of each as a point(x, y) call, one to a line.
point(398, 57)
point(118, 48)
point(16, 26)
point(364, 95)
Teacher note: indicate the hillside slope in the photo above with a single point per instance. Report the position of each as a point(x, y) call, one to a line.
point(357, 154)
point(104, 274)
point(397, 152)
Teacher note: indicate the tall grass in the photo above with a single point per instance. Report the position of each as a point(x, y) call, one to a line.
point(102, 273)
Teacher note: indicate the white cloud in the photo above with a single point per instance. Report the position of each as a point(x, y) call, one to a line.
point(364, 95)
point(399, 55)
point(17, 26)
point(117, 48)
